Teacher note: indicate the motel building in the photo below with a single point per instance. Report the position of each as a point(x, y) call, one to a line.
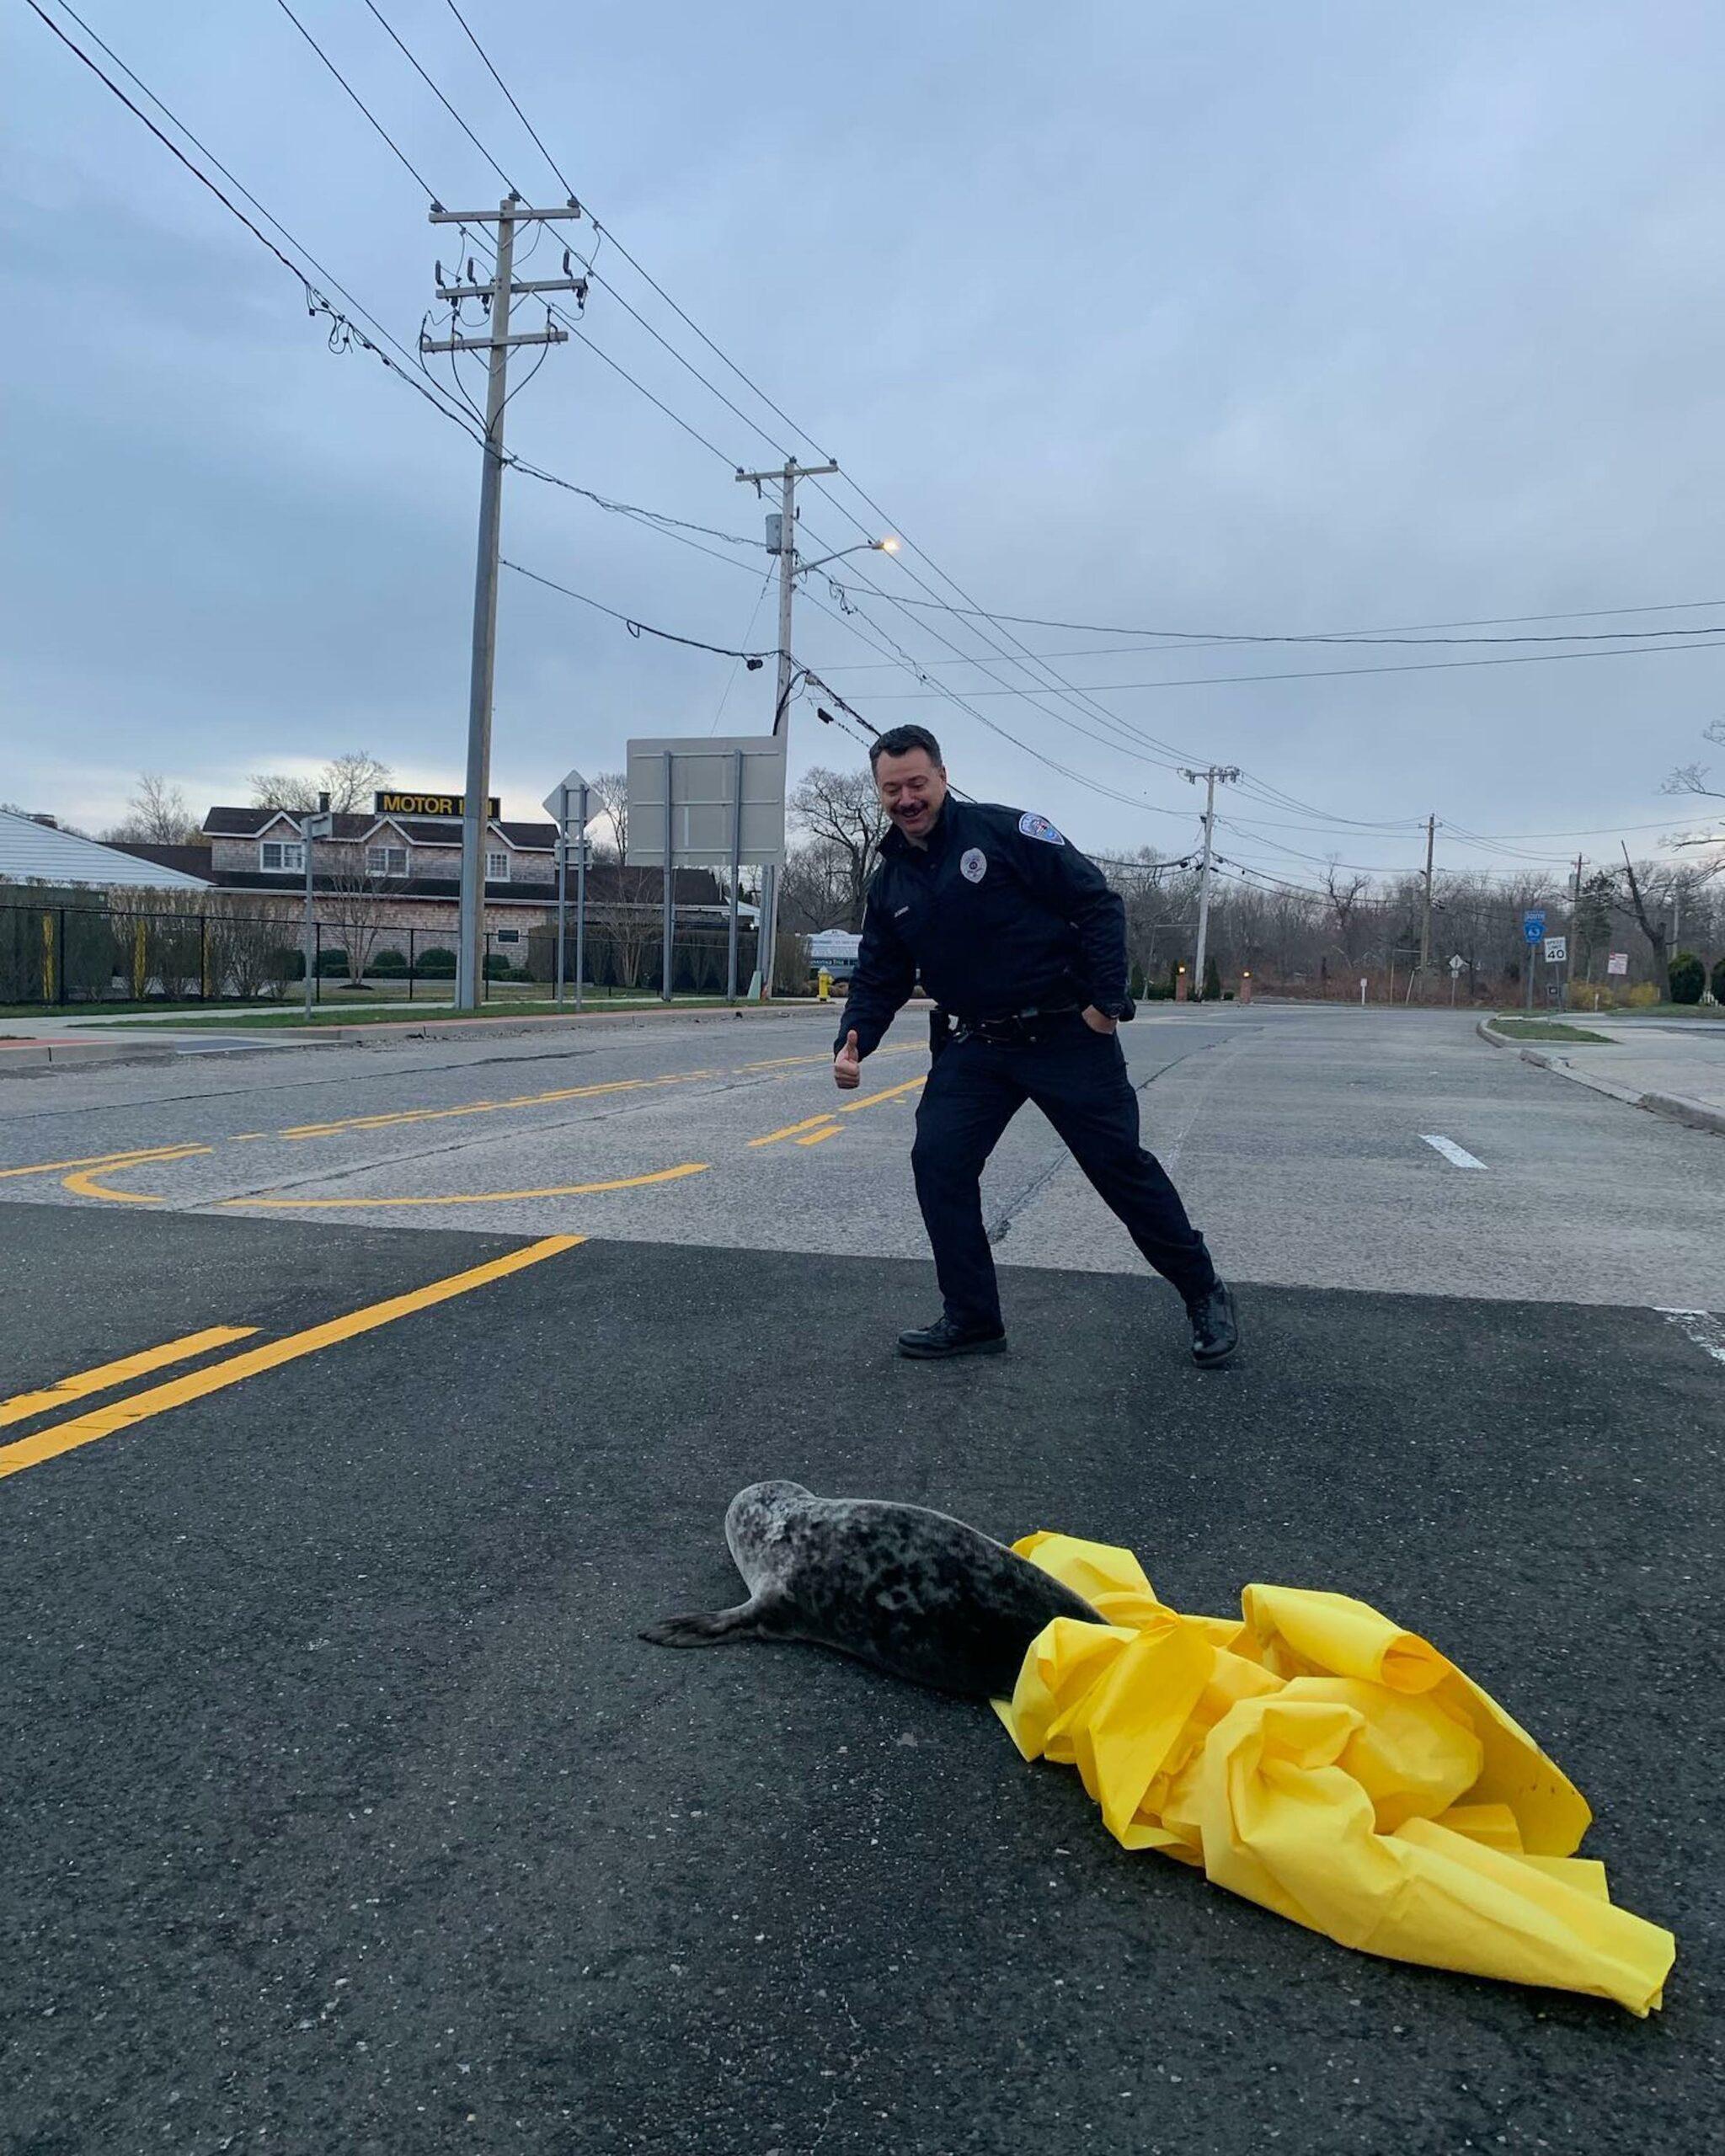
point(398, 871)
point(402, 862)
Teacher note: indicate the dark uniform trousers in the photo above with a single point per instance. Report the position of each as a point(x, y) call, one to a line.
point(1078, 1078)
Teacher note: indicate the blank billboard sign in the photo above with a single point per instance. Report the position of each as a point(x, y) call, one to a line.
point(701, 777)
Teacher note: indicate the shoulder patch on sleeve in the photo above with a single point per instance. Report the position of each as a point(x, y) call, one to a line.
point(1039, 827)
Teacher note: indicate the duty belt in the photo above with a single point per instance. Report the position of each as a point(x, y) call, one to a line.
point(1021, 1029)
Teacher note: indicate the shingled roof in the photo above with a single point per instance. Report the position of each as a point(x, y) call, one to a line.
point(229, 823)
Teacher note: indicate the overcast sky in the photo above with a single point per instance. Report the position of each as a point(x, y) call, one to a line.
point(1262, 318)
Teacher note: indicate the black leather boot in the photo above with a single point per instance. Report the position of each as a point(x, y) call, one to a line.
point(1215, 1325)
point(930, 1343)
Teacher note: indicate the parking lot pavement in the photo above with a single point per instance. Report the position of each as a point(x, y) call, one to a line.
point(1322, 1147)
point(346, 1811)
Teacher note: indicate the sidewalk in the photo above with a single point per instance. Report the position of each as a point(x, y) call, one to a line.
point(1672, 1067)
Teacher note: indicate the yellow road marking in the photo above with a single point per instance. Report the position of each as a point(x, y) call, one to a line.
point(107, 1160)
point(873, 1100)
point(475, 1196)
point(791, 1129)
point(123, 1414)
point(815, 1137)
point(105, 1374)
point(491, 1108)
point(85, 1185)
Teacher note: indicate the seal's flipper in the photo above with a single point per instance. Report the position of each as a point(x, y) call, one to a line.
point(749, 1621)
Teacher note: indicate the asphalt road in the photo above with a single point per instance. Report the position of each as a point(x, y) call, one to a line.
point(343, 1810)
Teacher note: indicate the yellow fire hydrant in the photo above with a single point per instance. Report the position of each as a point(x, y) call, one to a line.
point(824, 982)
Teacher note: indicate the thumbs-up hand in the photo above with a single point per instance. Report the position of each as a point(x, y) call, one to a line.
point(847, 1065)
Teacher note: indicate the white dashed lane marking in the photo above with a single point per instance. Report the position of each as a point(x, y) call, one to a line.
point(1452, 1152)
point(1702, 1326)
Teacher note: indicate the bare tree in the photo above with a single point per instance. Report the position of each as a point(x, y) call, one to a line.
point(1650, 893)
point(354, 900)
point(1347, 897)
point(608, 797)
point(158, 814)
point(813, 893)
point(349, 781)
point(1688, 778)
point(841, 811)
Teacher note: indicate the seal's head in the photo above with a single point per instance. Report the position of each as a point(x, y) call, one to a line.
point(756, 1513)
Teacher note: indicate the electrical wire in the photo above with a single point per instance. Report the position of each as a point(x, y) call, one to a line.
point(970, 611)
point(639, 628)
point(441, 99)
point(510, 94)
point(1410, 634)
point(418, 178)
point(412, 371)
point(343, 332)
point(730, 678)
point(1342, 673)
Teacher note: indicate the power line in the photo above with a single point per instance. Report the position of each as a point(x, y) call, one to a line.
point(417, 177)
point(959, 702)
point(510, 94)
point(341, 331)
point(639, 628)
point(1411, 630)
point(1070, 693)
point(1342, 673)
point(413, 373)
point(442, 100)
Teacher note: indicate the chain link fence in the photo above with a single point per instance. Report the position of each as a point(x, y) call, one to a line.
point(61, 949)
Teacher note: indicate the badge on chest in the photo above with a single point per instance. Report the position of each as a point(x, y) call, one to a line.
point(973, 865)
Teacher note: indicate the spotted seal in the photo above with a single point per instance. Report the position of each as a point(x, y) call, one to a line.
point(914, 1592)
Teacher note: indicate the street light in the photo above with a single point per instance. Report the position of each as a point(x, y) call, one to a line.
point(864, 547)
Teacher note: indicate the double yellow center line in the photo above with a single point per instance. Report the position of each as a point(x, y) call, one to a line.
point(215, 1377)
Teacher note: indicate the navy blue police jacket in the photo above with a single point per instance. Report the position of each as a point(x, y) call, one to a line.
point(999, 915)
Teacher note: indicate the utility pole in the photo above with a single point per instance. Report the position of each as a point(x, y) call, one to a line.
point(1225, 773)
point(1575, 938)
point(1425, 925)
point(495, 298)
point(781, 542)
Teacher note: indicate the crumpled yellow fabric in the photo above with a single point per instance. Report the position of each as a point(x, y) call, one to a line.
point(1315, 1757)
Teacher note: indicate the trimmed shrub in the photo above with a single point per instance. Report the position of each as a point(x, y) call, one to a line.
point(1642, 996)
point(332, 959)
point(1212, 981)
point(435, 964)
point(1719, 978)
point(497, 967)
point(1688, 977)
point(394, 962)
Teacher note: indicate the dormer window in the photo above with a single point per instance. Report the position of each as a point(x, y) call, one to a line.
point(282, 857)
point(386, 860)
point(497, 869)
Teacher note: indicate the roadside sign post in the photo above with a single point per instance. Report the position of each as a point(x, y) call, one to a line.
point(1456, 964)
point(1533, 927)
point(315, 824)
point(557, 803)
point(730, 970)
point(670, 774)
point(707, 804)
point(1362, 991)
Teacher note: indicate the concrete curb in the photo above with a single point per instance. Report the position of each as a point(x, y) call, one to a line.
point(29, 1058)
point(573, 1022)
point(1676, 1107)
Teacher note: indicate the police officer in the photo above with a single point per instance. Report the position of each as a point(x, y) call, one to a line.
point(1023, 946)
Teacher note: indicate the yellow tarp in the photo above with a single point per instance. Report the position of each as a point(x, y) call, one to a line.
point(1315, 1757)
